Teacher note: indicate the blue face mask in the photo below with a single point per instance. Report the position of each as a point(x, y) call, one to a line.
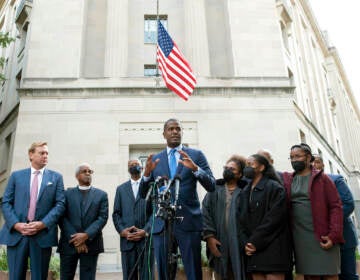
point(135, 170)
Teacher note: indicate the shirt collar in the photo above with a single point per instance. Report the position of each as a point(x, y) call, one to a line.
point(41, 170)
point(178, 148)
point(133, 181)
point(84, 188)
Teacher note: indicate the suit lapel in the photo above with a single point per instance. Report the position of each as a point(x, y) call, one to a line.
point(90, 198)
point(164, 162)
point(76, 196)
point(129, 192)
point(27, 184)
point(45, 180)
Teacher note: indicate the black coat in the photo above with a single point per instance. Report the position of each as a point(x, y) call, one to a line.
point(214, 208)
point(91, 220)
point(263, 222)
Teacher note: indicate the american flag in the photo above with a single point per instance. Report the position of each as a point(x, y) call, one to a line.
point(176, 71)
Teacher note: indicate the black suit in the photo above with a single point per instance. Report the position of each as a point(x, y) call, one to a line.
point(128, 212)
point(85, 212)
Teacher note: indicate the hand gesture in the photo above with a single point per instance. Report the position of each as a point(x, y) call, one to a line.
point(326, 242)
point(250, 249)
point(136, 235)
point(79, 238)
point(213, 244)
point(150, 165)
point(187, 161)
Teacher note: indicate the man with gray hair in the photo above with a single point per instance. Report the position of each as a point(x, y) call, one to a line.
point(81, 226)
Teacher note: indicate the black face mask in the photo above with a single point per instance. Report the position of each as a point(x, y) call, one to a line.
point(135, 170)
point(249, 172)
point(298, 166)
point(228, 175)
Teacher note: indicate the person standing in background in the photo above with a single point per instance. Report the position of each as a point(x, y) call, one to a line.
point(132, 220)
point(81, 239)
point(348, 249)
point(32, 204)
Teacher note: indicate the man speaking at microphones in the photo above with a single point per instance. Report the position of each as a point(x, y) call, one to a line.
point(189, 165)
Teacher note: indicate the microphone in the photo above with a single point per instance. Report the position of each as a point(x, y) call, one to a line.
point(177, 180)
point(161, 181)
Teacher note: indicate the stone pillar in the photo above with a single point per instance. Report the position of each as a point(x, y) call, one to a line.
point(196, 40)
point(116, 49)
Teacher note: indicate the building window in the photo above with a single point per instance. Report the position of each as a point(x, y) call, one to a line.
point(150, 27)
point(150, 70)
point(331, 167)
point(5, 153)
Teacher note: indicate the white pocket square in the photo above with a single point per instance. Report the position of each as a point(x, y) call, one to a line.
point(49, 183)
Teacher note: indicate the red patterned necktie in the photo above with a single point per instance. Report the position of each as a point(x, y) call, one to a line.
point(33, 196)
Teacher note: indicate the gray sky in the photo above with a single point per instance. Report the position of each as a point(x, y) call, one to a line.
point(342, 21)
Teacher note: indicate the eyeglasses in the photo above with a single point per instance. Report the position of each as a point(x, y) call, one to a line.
point(86, 171)
point(296, 157)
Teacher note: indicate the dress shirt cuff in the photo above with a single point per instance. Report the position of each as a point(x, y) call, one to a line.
point(197, 172)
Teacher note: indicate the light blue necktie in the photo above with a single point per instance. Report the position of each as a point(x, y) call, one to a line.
point(172, 163)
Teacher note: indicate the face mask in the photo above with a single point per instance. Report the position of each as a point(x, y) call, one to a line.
point(249, 172)
point(228, 175)
point(135, 170)
point(298, 166)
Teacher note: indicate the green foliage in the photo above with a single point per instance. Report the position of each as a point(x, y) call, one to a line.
point(55, 266)
point(204, 259)
point(357, 255)
point(5, 40)
point(3, 260)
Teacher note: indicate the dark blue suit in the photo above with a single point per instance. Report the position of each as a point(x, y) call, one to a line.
point(87, 214)
point(188, 224)
point(128, 212)
point(348, 260)
point(50, 206)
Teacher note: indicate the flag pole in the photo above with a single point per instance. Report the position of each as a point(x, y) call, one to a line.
point(157, 28)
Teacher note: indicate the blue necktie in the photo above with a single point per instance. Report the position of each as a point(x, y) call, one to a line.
point(172, 163)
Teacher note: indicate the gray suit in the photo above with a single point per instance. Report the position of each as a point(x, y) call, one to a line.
point(128, 212)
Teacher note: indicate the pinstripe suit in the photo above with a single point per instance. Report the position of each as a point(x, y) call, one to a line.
point(130, 211)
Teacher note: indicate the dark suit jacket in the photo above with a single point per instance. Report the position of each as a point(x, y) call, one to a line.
point(349, 231)
point(128, 212)
point(188, 197)
point(92, 220)
point(15, 205)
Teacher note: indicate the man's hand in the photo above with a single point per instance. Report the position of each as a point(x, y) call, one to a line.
point(187, 161)
point(125, 232)
point(30, 228)
point(250, 249)
point(150, 165)
point(21, 227)
point(136, 235)
point(79, 238)
point(212, 243)
point(82, 249)
point(326, 242)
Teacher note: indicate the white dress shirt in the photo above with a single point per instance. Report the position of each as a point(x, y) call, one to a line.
point(135, 186)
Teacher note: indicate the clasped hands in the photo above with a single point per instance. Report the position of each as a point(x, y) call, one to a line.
point(29, 229)
point(78, 240)
point(133, 233)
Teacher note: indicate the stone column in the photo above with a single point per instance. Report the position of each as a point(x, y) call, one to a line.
point(116, 48)
point(196, 40)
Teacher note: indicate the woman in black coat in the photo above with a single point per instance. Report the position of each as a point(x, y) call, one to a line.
point(263, 224)
point(219, 209)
